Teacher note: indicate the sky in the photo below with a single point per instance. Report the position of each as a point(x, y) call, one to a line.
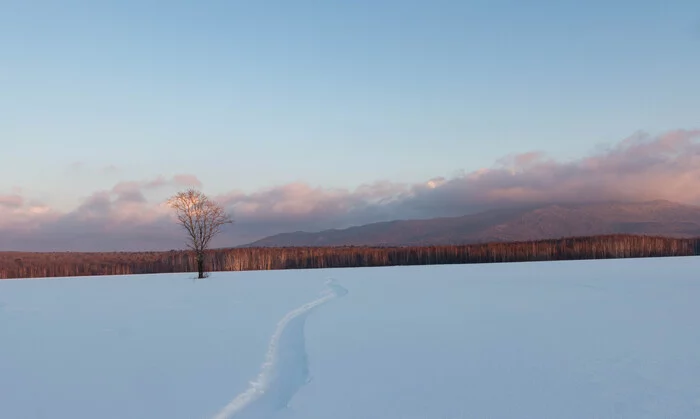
point(308, 115)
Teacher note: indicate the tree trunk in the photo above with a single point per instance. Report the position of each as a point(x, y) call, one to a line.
point(200, 265)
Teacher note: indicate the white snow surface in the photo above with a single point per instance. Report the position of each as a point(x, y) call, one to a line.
point(580, 339)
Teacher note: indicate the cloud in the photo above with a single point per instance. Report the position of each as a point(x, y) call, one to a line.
point(639, 168)
point(11, 201)
point(179, 180)
point(187, 180)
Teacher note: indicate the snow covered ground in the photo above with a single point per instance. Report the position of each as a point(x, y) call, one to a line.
point(588, 339)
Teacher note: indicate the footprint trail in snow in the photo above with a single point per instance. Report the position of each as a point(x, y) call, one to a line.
point(286, 367)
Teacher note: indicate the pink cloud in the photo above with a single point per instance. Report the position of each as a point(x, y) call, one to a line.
point(187, 180)
point(158, 182)
point(636, 169)
point(521, 161)
point(179, 180)
point(11, 201)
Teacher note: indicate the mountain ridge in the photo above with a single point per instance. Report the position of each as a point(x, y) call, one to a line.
point(524, 223)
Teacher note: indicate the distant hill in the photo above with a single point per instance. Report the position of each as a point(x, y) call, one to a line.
point(660, 218)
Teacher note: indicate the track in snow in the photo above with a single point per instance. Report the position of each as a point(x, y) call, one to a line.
point(286, 367)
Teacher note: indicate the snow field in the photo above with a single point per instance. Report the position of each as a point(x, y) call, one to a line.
point(584, 339)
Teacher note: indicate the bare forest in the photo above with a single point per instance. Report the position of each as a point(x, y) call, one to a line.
point(38, 265)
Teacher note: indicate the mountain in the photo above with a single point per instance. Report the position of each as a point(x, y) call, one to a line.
point(659, 217)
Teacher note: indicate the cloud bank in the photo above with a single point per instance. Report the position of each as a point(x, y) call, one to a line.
point(639, 168)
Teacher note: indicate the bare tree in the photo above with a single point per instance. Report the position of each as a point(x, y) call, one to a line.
point(202, 218)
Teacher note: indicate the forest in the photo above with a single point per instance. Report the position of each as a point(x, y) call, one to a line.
point(60, 264)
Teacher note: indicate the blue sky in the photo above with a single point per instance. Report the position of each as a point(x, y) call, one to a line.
point(331, 94)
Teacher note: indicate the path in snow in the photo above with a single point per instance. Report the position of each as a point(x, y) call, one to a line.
point(285, 369)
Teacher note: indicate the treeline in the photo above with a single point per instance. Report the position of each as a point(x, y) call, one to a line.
point(39, 265)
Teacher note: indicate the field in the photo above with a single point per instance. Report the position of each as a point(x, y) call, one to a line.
point(574, 339)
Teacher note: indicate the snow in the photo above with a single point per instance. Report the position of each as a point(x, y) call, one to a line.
point(286, 366)
point(583, 339)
